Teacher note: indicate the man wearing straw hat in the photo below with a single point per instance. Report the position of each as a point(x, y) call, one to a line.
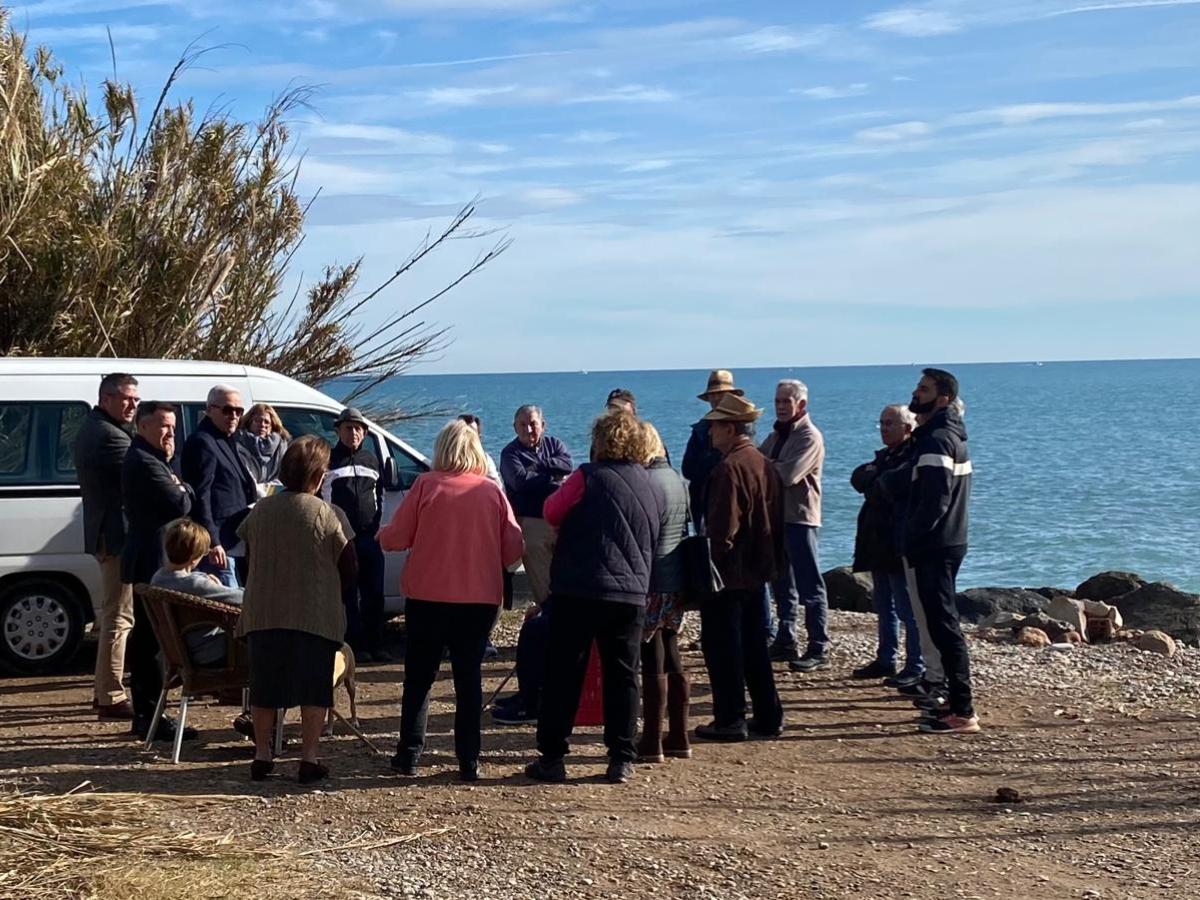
point(700, 458)
point(744, 521)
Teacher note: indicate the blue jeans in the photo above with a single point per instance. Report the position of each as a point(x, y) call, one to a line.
point(803, 586)
point(893, 607)
point(226, 575)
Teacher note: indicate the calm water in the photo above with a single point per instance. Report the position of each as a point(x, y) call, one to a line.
point(1079, 466)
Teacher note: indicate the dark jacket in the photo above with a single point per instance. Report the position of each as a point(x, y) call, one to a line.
point(152, 498)
point(939, 488)
point(879, 531)
point(666, 576)
point(354, 485)
point(744, 522)
point(531, 474)
point(605, 547)
point(100, 448)
point(224, 487)
point(699, 460)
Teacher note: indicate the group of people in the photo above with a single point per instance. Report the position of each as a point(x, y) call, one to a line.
point(603, 548)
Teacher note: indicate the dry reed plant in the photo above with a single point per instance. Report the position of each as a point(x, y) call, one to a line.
point(114, 845)
point(169, 234)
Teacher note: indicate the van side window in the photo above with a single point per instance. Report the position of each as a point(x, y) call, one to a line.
point(300, 421)
point(16, 421)
point(407, 467)
point(70, 418)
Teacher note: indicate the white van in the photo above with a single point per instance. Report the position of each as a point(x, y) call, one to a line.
point(49, 588)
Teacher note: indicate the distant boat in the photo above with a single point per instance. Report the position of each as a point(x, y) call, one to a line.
point(1039, 364)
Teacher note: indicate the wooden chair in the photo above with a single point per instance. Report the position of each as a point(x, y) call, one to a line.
point(171, 615)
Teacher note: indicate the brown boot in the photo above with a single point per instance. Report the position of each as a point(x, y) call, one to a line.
point(654, 707)
point(679, 691)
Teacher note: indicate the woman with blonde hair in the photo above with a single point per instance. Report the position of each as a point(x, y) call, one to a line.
point(460, 533)
point(261, 441)
point(608, 514)
point(665, 686)
point(292, 612)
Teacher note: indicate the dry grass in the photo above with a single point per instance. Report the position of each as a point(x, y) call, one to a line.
point(115, 845)
point(169, 233)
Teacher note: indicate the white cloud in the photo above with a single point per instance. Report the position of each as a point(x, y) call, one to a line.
point(460, 96)
point(833, 92)
point(1127, 4)
point(339, 178)
point(627, 93)
point(83, 34)
point(593, 137)
point(775, 39)
point(493, 149)
point(912, 21)
point(890, 133)
point(1144, 124)
point(397, 140)
point(1026, 113)
point(551, 197)
point(648, 165)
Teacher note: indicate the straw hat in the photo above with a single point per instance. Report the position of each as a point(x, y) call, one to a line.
point(733, 408)
point(720, 381)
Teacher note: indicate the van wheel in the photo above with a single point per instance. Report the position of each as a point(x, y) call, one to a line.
point(41, 627)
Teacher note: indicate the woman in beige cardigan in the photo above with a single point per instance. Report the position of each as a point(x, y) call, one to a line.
point(292, 614)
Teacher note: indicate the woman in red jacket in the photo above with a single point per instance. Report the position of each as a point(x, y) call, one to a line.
point(460, 533)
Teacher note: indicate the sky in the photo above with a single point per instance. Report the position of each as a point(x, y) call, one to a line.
point(698, 184)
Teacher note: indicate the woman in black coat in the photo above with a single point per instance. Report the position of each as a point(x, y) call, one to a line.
point(153, 495)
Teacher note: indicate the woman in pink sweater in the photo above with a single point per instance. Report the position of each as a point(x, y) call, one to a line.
point(460, 533)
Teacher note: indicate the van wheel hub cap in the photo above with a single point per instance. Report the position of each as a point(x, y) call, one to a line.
point(36, 627)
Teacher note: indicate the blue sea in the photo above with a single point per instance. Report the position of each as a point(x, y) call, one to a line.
point(1079, 466)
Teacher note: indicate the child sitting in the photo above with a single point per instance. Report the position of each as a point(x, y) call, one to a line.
point(186, 544)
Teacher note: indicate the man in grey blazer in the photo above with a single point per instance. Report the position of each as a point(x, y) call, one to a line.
point(100, 447)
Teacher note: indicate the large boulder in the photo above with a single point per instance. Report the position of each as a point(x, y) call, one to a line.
point(1070, 611)
point(1162, 607)
point(978, 604)
point(1108, 585)
point(1056, 629)
point(1157, 642)
point(849, 590)
point(1053, 593)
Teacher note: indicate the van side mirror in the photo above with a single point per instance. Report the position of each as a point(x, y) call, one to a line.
point(391, 475)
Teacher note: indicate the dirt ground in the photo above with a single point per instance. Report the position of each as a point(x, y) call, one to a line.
point(850, 802)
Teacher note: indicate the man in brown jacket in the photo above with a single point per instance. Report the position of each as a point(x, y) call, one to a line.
point(797, 449)
point(745, 528)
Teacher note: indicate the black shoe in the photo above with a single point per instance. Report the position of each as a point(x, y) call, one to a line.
point(490, 651)
point(726, 734)
point(874, 669)
point(383, 656)
point(165, 731)
point(619, 772)
point(260, 769)
point(781, 652)
point(761, 729)
point(244, 725)
point(312, 771)
point(513, 714)
point(915, 689)
point(549, 770)
point(901, 680)
point(362, 657)
point(468, 771)
point(938, 703)
point(809, 662)
point(404, 764)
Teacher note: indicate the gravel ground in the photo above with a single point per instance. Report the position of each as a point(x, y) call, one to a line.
point(1098, 742)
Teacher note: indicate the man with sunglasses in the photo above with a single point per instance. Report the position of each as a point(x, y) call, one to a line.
point(224, 487)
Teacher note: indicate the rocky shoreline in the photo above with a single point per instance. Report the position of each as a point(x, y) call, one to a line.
point(1109, 606)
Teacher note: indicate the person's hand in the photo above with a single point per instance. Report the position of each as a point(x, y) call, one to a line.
point(217, 556)
point(214, 579)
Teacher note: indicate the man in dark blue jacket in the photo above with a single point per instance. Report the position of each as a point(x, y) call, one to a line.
point(224, 487)
point(934, 540)
point(355, 485)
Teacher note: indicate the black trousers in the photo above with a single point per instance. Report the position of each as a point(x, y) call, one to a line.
point(738, 659)
point(431, 628)
point(531, 657)
point(935, 575)
point(364, 613)
point(141, 656)
point(660, 654)
point(617, 630)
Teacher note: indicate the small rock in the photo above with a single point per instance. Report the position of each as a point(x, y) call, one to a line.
point(823, 846)
point(1007, 795)
point(1033, 637)
point(1157, 642)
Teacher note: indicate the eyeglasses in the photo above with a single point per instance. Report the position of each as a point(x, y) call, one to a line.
point(229, 410)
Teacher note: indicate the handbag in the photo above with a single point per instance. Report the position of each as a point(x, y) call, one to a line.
point(701, 580)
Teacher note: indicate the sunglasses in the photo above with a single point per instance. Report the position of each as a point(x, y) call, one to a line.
point(229, 410)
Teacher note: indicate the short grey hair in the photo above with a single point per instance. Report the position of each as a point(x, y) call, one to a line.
point(798, 388)
point(219, 392)
point(528, 409)
point(906, 415)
